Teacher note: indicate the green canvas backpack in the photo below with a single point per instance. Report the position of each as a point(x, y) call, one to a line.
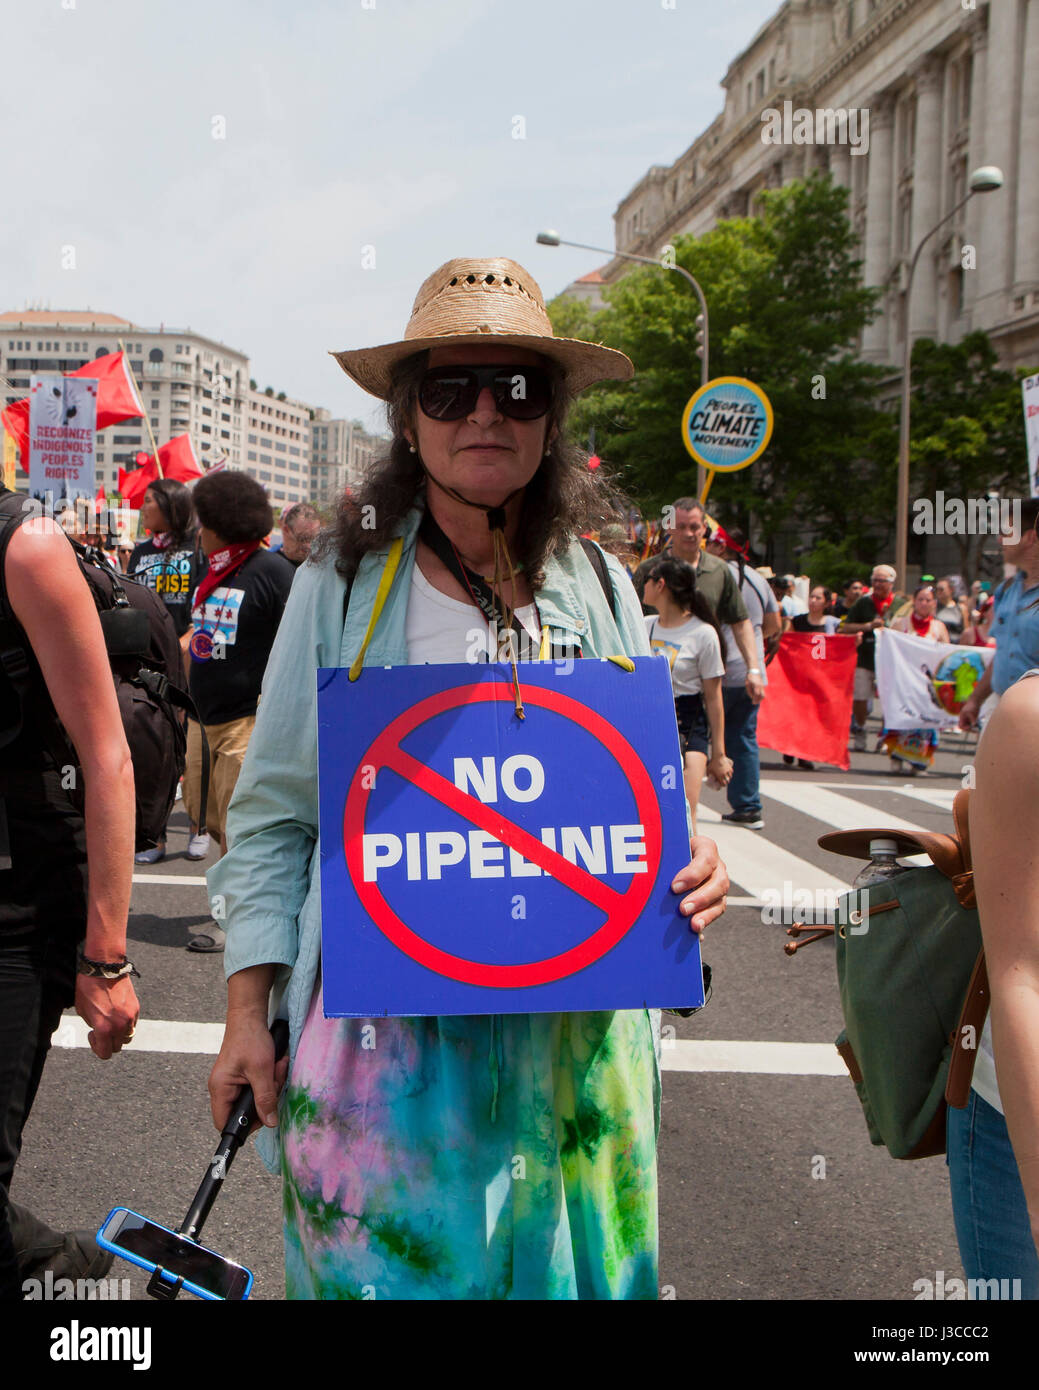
point(913, 987)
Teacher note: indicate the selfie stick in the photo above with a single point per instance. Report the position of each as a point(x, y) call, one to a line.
point(243, 1116)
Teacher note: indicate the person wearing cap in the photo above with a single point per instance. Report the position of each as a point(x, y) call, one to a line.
point(741, 713)
point(398, 1159)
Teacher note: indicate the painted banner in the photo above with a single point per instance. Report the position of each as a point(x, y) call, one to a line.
point(476, 863)
point(62, 427)
point(923, 684)
point(1030, 396)
point(806, 710)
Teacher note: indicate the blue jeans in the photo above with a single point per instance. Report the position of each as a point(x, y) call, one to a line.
point(741, 744)
point(988, 1201)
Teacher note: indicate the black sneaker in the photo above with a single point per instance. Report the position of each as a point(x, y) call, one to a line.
point(753, 820)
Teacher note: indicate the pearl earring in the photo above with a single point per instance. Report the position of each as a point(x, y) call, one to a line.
point(411, 449)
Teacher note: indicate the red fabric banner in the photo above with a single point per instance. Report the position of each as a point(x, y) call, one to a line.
point(117, 400)
point(806, 711)
point(178, 461)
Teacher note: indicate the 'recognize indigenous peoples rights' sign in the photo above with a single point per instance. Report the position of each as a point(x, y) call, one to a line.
point(475, 862)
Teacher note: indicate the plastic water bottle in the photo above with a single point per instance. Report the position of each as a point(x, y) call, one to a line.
point(883, 864)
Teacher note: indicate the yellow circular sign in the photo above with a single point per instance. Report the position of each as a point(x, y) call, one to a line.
point(727, 424)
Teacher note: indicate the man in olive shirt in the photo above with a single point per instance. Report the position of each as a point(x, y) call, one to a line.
point(715, 580)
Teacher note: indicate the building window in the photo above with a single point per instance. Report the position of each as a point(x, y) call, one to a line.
point(155, 355)
point(251, 455)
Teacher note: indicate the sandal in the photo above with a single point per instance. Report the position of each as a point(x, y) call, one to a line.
point(210, 941)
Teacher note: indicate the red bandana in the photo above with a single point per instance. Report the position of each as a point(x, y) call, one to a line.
point(883, 605)
point(921, 626)
point(221, 565)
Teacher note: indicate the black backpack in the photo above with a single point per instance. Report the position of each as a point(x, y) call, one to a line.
point(145, 657)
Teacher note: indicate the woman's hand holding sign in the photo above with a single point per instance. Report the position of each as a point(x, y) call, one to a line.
point(704, 881)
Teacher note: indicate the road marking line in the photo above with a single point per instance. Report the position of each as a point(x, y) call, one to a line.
point(188, 880)
point(761, 867)
point(832, 807)
point(152, 1035)
point(773, 1058)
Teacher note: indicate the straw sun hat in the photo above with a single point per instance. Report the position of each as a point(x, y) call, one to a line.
point(483, 300)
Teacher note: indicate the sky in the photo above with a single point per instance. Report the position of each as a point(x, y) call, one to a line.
point(230, 166)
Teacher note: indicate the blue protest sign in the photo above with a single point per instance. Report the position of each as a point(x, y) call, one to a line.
point(473, 862)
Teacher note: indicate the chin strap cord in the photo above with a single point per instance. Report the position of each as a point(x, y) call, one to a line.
point(502, 558)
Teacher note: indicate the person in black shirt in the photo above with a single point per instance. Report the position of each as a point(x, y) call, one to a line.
point(236, 609)
point(169, 562)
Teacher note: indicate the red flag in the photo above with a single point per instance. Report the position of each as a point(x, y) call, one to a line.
point(117, 399)
point(134, 485)
point(178, 460)
point(806, 711)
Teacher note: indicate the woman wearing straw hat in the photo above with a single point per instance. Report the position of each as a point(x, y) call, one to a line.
point(398, 1161)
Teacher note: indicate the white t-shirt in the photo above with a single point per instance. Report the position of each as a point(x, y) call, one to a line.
point(441, 629)
point(693, 652)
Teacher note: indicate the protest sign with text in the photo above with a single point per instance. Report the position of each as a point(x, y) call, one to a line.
point(62, 426)
point(475, 862)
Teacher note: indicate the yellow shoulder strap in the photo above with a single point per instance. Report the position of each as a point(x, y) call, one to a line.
point(390, 569)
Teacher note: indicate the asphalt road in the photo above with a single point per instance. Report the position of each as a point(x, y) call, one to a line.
point(769, 1188)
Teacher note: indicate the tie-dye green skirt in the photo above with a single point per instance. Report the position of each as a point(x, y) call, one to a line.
point(511, 1156)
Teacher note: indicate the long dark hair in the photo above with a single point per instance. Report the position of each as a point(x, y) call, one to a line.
point(175, 503)
point(561, 501)
point(680, 582)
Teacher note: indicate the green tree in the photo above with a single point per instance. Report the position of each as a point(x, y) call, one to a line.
point(967, 435)
point(786, 302)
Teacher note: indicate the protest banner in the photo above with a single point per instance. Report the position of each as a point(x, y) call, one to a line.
point(473, 862)
point(117, 399)
point(806, 710)
point(1030, 398)
point(922, 683)
point(62, 425)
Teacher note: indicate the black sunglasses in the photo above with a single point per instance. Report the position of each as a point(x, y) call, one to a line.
point(451, 393)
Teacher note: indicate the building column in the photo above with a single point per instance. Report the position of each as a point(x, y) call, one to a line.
point(1026, 260)
point(879, 202)
point(927, 187)
point(840, 165)
point(996, 221)
point(975, 209)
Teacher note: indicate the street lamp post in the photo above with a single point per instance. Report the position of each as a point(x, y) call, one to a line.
point(702, 322)
point(984, 180)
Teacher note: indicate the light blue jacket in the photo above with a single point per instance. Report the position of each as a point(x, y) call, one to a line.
point(266, 889)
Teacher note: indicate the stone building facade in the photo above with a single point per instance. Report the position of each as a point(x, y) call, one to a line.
point(939, 87)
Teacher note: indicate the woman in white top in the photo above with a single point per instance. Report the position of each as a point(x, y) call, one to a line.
point(993, 1144)
point(686, 632)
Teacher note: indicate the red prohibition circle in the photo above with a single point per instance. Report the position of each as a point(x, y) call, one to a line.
point(622, 909)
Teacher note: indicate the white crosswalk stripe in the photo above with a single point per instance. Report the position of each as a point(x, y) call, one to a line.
point(759, 868)
point(677, 1054)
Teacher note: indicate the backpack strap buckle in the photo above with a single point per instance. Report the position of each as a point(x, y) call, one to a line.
point(153, 681)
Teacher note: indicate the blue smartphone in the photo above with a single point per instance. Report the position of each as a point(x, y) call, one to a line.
point(151, 1246)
